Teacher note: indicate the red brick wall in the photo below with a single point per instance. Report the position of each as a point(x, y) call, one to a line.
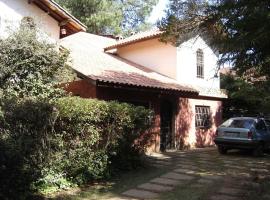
point(82, 88)
point(187, 135)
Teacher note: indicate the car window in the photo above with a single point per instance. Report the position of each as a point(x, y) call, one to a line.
point(226, 123)
point(260, 125)
point(238, 123)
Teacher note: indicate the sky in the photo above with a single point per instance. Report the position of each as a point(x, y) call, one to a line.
point(158, 11)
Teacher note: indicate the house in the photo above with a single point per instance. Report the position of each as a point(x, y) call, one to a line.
point(178, 83)
point(181, 84)
point(50, 18)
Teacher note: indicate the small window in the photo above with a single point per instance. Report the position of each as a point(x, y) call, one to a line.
point(200, 63)
point(202, 117)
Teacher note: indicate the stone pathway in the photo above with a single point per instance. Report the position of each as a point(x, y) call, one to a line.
point(231, 176)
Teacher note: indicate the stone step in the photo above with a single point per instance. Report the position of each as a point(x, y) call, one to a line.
point(185, 171)
point(155, 187)
point(231, 191)
point(176, 176)
point(166, 181)
point(223, 197)
point(140, 194)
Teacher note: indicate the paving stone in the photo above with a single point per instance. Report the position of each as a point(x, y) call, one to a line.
point(121, 198)
point(228, 161)
point(140, 194)
point(197, 185)
point(250, 184)
point(162, 162)
point(158, 165)
point(185, 171)
point(266, 196)
point(203, 161)
point(211, 177)
point(235, 167)
point(166, 181)
point(231, 191)
point(223, 197)
point(155, 187)
point(176, 176)
point(182, 156)
point(205, 181)
point(259, 170)
point(185, 163)
point(187, 166)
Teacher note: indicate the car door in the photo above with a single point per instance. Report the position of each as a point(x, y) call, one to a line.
point(267, 122)
point(263, 132)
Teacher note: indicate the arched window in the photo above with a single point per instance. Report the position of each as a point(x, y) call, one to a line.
point(200, 63)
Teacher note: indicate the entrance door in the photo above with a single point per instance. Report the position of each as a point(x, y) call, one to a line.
point(166, 116)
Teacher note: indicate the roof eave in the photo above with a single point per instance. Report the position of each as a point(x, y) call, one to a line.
point(53, 7)
point(114, 46)
point(192, 92)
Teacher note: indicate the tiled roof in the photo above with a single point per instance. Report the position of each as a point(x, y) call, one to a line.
point(153, 33)
point(89, 59)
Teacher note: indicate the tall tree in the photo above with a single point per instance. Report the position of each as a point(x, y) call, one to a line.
point(245, 97)
point(110, 16)
point(239, 28)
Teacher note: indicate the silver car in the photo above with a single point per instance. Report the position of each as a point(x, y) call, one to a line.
point(243, 133)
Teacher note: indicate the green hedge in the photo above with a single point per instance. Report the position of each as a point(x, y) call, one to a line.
point(48, 146)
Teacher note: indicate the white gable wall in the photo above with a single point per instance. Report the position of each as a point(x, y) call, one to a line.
point(178, 63)
point(12, 12)
point(152, 54)
point(187, 66)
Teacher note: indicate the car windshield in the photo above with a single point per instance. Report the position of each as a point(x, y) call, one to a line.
point(238, 123)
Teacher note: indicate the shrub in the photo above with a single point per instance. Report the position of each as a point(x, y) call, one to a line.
point(30, 66)
point(54, 145)
point(25, 133)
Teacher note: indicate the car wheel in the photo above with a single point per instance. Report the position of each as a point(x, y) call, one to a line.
point(222, 150)
point(258, 151)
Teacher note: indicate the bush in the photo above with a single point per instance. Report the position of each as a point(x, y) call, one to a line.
point(55, 145)
point(25, 133)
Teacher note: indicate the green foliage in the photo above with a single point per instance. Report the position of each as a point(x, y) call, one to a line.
point(110, 17)
point(54, 145)
point(240, 29)
point(23, 142)
point(245, 98)
point(29, 65)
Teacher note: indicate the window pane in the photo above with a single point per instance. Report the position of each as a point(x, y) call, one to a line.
point(239, 123)
point(202, 117)
point(200, 63)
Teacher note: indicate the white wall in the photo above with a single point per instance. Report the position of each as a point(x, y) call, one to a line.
point(153, 54)
point(187, 66)
point(12, 11)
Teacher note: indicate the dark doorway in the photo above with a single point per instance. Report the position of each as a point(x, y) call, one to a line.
point(166, 117)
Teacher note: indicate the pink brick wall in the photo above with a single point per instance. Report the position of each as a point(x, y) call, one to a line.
point(187, 135)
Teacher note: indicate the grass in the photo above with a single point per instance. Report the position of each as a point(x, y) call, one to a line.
point(186, 192)
point(114, 187)
point(215, 166)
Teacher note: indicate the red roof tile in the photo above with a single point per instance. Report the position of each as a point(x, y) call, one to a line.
point(89, 59)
